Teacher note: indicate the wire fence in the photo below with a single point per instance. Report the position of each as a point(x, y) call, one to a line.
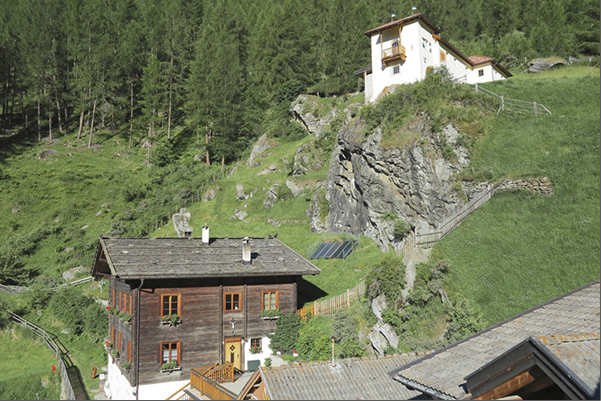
point(64, 362)
point(513, 104)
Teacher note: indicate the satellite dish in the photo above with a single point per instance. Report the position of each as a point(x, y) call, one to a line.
point(392, 17)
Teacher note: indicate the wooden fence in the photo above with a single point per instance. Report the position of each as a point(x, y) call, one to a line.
point(15, 289)
point(513, 104)
point(331, 305)
point(430, 238)
point(65, 364)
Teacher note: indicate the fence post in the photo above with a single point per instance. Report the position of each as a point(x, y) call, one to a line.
point(476, 86)
point(502, 103)
point(534, 108)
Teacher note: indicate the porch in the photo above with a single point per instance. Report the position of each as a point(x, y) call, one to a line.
point(216, 382)
point(396, 52)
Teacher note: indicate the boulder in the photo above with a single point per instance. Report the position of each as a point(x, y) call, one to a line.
point(262, 144)
point(240, 195)
point(70, 274)
point(272, 168)
point(239, 214)
point(181, 222)
point(296, 191)
point(544, 64)
point(209, 195)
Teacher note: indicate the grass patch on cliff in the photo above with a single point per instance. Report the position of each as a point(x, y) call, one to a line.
point(424, 108)
point(520, 250)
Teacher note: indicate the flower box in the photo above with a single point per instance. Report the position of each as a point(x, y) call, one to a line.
point(269, 317)
point(170, 320)
point(170, 370)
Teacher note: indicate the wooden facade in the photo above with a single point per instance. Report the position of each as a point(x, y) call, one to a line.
point(203, 328)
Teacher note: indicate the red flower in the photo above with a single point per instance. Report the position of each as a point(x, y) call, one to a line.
point(108, 308)
point(53, 368)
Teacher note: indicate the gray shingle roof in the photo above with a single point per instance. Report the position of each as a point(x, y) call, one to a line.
point(189, 257)
point(442, 373)
point(350, 379)
point(580, 353)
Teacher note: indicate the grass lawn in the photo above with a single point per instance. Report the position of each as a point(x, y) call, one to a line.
point(520, 250)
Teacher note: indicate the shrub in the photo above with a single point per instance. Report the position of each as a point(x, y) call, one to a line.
point(314, 341)
point(284, 192)
point(465, 321)
point(286, 333)
point(95, 321)
point(267, 362)
point(388, 278)
point(343, 326)
point(401, 229)
point(350, 348)
point(70, 306)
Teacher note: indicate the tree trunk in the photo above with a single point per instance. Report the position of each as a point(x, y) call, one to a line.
point(92, 125)
point(170, 100)
point(50, 127)
point(131, 111)
point(222, 161)
point(58, 106)
point(80, 124)
point(39, 121)
point(207, 147)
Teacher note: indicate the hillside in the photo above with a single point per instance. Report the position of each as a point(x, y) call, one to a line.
point(58, 197)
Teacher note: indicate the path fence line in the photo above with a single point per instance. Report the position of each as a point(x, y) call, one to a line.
point(428, 239)
point(16, 289)
point(512, 104)
point(61, 353)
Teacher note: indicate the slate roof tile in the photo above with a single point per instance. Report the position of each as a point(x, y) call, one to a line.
point(568, 316)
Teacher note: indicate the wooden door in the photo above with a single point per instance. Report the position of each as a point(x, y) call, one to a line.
point(233, 350)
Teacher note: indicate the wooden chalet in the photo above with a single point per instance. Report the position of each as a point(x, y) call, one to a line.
point(182, 303)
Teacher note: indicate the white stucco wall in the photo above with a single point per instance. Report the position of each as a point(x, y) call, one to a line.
point(266, 352)
point(116, 386)
point(422, 51)
point(160, 391)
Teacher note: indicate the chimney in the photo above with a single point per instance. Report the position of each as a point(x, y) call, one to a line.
point(188, 232)
point(205, 235)
point(246, 251)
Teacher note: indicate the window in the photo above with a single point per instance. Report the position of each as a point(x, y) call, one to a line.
point(480, 73)
point(170, 352)
point(396, 70)
point(270, 300)
point(231, 301)
point(171, 304)
point(255, 343)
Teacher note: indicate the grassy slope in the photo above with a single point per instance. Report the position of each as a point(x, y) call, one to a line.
point(26, 378)
point(520, 250)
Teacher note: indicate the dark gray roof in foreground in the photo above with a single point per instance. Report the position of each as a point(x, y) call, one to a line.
point(350, 379)
point(189, 257)
point(443, 372)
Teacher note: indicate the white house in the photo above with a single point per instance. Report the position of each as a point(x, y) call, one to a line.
point(404, 51)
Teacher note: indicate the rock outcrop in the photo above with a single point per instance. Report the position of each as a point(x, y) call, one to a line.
point(544, 64)
point(367, 181)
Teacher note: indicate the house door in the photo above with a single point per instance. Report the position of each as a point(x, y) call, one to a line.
point(233, 348)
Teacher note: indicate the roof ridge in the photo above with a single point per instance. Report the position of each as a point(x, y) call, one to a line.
point(567, 338)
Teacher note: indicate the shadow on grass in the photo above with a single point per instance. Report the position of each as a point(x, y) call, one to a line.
point(308, 292)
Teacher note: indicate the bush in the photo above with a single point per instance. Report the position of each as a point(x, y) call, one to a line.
point(315, 341)
point(286, 333)
point(401, 229)
point(95, 321)
point(351, 348)
point(388, 278)
point(70, 306)
point(284, 192)
point(465, 321)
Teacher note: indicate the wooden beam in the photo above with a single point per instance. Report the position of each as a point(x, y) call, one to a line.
point(508, 387)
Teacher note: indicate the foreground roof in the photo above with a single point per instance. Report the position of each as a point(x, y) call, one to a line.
point(349, 379)
point(189, 257)
point(557, 323)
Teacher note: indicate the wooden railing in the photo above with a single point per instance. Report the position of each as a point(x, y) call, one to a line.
point(64, 362)
point(513, 104)
point(181, 390)
point(331, 305)
point(393, 53)
point(202, 380)
point(430, 238)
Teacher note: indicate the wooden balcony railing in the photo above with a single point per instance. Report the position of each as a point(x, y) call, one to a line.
point(207, 379)
point(393, 53)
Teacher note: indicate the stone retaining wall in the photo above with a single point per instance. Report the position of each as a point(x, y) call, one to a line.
point(540, 186)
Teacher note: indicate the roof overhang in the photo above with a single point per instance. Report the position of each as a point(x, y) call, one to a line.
point(526, 364)
point(404, 21)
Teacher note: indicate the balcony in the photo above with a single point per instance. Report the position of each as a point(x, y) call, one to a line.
point(393, 53)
